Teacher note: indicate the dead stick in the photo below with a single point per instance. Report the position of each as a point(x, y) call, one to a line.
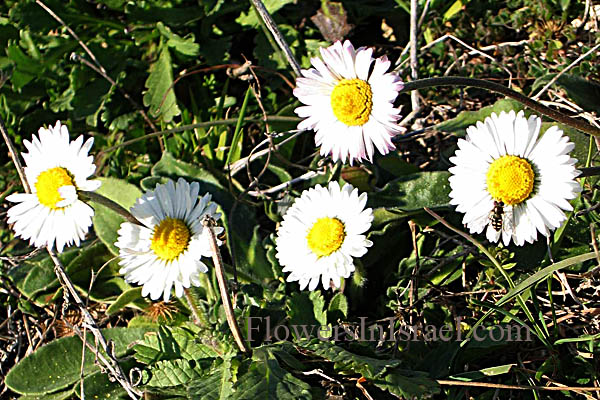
point(272, 26)
point(209, 223)
point(516, 387)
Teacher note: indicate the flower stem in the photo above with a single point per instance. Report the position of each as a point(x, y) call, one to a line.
point(208, 223)
point(495, 87)
point(98, 198)
point(198, 316)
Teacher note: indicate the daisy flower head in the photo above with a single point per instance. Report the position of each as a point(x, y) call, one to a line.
point(164, 251)
point(321, 233)
point(56, 169)
point(349, 102)
point(511, 181)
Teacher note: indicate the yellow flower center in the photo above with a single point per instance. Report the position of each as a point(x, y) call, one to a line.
point(326, 236)
point(352, 101)
point(48, 183)
point(171, 237)
point(510, 180)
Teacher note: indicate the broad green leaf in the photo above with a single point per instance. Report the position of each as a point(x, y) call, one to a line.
point(63, 395)
point(409, 193)
point(56, 365)
point(306, 309)
point(88, 101)
point(171, 344)
point(338, 308)
point(143, 321)
point(168, 166)
point(98, 385)
point(132, 297)
point(217, 385)
point(346, 361)
point(459, 124)
point(584, 92)
point(168, 373)
point(107, 221)
point(265, 379)
point(394, 164)
point(359, 178)
point(407, 384)
point(160, 96)
point(27, 68)
point(35, 277)
point(102, 263)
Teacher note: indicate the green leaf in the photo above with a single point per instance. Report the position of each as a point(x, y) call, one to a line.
point(36, 277)
point(132, 297)
point(543, 274)
point(584, 92)
point(453, 10)
point(96, 258)
point(349, 362)
point(98, 385)
point(338, 308)
point(160, 96)
point(107, 221)
point(185, 46)
point(169, 373)
point(460, 123)
point(394, 164)
point(482, 373)
point(27, 68)
point(171, 344)
point(235, 149)
point(319, 307)
point(265, 379)
point(408, 384)
point(217, 385)
point(409, 194)
point(63, 395)
point(169, 167)
point(306, 309)
point(583, 338)
point(56, 366)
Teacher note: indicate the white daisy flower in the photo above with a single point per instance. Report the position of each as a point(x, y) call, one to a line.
point(165, 250)
point(507, 179)
point(56, 170)
point(320, 234)
point(350, 106)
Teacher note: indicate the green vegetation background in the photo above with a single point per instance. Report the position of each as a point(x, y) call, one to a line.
point(180, 66)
